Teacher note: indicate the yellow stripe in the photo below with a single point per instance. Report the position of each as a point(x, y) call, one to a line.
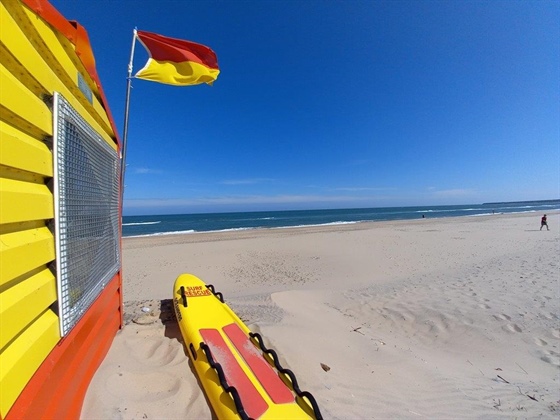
point(23, 201)
point(20, 360)
point(59, 55)
point(16, 310)
point(44, 58)
point(24, 250)
point(180, 74)
point(21, 151)
point(20, 101)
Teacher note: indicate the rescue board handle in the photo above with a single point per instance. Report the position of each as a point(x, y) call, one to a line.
point(287, 372)
point(223, 382)
point(183, 295)
point(217, 294)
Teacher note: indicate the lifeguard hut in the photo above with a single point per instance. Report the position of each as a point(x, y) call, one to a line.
point(60, 214)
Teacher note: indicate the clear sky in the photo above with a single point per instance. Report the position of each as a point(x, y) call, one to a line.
point(334, 104)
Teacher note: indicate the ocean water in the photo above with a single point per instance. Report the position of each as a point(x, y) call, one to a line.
point(210, 222)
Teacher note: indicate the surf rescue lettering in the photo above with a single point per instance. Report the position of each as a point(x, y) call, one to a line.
point(177, 311)
point(196, 291)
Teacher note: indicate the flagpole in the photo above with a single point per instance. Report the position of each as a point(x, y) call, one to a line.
point(126, 109)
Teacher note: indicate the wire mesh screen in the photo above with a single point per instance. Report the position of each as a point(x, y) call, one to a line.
point(86, 184)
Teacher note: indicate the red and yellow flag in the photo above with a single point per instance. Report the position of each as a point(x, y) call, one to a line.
point(176, 61)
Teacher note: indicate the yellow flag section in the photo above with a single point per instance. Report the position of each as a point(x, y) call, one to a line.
point(241, 377)
point(177, 61)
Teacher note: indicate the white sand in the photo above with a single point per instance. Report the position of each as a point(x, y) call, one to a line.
point(443, 318)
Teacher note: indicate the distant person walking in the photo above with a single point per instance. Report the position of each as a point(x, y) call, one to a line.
point(544, 222)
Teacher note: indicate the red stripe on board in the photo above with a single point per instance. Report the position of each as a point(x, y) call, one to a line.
point(252, 401)
point(278, 391)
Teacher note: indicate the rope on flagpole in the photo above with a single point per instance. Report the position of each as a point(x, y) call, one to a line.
point(126, 109)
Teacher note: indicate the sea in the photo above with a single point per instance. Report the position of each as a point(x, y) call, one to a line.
point(219, 222)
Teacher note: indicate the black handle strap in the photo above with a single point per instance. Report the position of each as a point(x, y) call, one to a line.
point(223, 382)
point(217, 294)
point(289, 374)
point(183, 295)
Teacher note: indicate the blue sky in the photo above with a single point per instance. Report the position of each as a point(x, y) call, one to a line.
point(334, 104)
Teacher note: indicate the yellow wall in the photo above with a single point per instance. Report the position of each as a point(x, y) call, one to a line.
point(35, 61)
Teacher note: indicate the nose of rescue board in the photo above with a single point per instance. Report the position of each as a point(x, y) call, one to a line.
point(240, 376)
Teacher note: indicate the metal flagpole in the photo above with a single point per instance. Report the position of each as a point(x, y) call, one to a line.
point(126, 109)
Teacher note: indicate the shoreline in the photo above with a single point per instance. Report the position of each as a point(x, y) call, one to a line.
point(431, 214)
point(246, 233)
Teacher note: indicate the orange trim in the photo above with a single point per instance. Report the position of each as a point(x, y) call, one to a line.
point(78, 36)
point(58, 388)
point(47, 11)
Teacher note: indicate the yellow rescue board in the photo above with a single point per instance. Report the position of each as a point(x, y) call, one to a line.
point(241, 377)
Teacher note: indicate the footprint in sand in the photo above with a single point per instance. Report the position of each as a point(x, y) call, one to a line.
point(550, 316)
point(143, 387)
point(502, 317)
point(512, 328)
point(539, 342)
point(154, 352)
point(483, 306)
point(551, 357)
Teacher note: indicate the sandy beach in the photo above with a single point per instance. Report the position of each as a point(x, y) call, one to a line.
point(433, 318)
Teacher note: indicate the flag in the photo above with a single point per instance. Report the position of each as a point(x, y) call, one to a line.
point(176, 61)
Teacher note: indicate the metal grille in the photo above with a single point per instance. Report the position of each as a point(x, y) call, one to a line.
point(86, 187)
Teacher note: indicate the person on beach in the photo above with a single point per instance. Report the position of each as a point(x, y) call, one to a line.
point(544, 222)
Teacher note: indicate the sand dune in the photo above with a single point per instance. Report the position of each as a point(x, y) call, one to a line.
point(446, 318)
